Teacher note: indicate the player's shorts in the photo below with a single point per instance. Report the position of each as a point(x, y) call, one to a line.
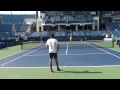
point(53, 55)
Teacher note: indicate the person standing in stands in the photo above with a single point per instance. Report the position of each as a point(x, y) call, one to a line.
point(41, 38)
point(70, 37)
point(53, 46)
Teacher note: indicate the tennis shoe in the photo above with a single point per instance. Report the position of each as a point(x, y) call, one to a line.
point(59, 69)
point(52, 71)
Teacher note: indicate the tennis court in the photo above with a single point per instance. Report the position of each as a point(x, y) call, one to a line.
point(76, 61)
point(69, 55)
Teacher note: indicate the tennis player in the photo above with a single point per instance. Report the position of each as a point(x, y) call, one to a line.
point(53, 46)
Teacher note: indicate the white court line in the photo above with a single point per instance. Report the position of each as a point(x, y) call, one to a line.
point(20, 57)
point(87, 54)
point(67, 66)
point(91, 66)
point(15, 53)
point(113, 50)
point(108, 48)
point(105, 51)
point(67, 50)
point(69, 54)
point(43, 55)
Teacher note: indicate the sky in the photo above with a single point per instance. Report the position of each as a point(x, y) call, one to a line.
point(17, 12)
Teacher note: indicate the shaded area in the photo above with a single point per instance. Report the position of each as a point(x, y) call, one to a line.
point(65, 71)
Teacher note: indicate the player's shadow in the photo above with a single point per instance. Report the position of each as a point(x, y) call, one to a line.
point(63, 71)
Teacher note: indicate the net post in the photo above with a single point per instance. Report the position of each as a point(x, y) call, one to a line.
point(113, 40)
point(112, 44)
point(21, 46)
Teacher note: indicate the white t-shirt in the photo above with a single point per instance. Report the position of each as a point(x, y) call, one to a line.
point(52, 43)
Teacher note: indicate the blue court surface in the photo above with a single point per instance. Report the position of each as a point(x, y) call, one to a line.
point(68, 55)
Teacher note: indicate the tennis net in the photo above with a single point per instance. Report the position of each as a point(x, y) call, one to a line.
point(31, 45)
point(72, 45)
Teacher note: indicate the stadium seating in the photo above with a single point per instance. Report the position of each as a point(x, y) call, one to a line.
point(113, 25)
point(15, 18)
point(21, 27)
point(5, 27)
point(2, 45)
point(67, 17)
